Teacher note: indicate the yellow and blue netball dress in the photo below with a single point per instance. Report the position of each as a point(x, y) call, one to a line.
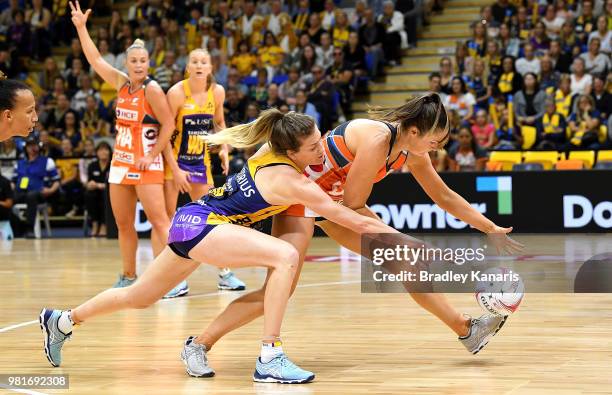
point(190, 150)
point(237, 202)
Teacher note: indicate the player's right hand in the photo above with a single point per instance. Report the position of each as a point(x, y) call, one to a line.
point(181, 181)
point(78, 18)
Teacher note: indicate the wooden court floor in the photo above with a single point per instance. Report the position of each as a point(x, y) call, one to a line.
point(355, 343)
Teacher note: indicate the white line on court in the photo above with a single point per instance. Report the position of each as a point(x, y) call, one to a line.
point(20, 390)
point(218, 293)
point(8, 328)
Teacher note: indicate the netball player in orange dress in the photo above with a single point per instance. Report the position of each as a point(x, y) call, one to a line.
point(196, 104)
point(359, 153)
point(143, 128)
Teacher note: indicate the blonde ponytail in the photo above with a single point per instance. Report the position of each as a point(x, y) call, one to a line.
point(283, 132)
point(250, 134)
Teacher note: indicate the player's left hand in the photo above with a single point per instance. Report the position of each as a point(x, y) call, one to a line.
point(499, 238)
point(144, 163)
point(224, 157)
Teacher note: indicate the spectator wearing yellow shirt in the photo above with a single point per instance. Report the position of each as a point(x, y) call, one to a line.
point(70, 182)
point(244, 60)
point(191, 29)
point(341, 30)
point(287, 39)
point(270, 54)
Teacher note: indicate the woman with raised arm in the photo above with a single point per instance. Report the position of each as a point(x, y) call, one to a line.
point(144, 126)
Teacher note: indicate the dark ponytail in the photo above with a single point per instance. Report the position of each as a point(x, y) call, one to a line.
point(426, 113)
point(8, 92)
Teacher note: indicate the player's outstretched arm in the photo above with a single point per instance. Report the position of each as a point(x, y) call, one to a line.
point(108, 73)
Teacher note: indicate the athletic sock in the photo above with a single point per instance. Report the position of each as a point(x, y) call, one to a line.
point(270, 350)
point(65, 323)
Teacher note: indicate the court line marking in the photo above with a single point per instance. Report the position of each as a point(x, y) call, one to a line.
point(218, 293)
point(8, 328)
point(20, 390)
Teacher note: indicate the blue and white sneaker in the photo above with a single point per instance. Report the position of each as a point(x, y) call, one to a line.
point(124, 282)
point(228, 281)
point(54, 338)
point(181, 289)
point(281, 370)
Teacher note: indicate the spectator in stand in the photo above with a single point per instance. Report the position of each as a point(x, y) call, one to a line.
point(270, 53)
point(234, 107)
point(521, 24)
point(568, 37)
point(259, 92)
point(252, 112)
point(552, 21)
point(289, 88)
point(539, 39)
point(104, 49)
point(341, 30)
point(328, 15)
point(76, 53)
point(494, 61)
point(510, 81)
point(477, 84)
point(314, 28)
point(7, 198)
point(325, 51)
point(467, 155)
point(529, 63)
point(55, 118)
point(396, 38)
point(549, 78)
point(303, 106)
point(92, 125)
point(477, 45)
point(73, 76)
point(19, 35)
point(584, 124)
point(341, 75)
point(308, 60)
point(163, 73)
point(273, 101)
point(581, 81)
point(483, 130)
point(354, 55)
point(300, 17)
point(563, 96)
point(463, 60)
point(507, 137)
point(47, 77)
point(460, 100)
point(595, 62)
point(79, 100)
point(321, 94)
point(585, 23)
point(8, 150)
point(70, 182)
point(89, 155)
point(601, 97)
point(233, 81)
point(435, 86)
point(446, 74)
point(529, 102)
point(96, 189)
point(39, 20)
point(372, 36)
point(551, 128)
point(502, 11)
point(603, 33)
point(36, 180)
point(510, 45)
point(71, 131)
point(244, 60)
point(561, 60)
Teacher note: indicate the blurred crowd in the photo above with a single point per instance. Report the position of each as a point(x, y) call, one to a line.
point(534, 75)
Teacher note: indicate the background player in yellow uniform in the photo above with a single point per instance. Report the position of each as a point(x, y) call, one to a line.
point(197, 106)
